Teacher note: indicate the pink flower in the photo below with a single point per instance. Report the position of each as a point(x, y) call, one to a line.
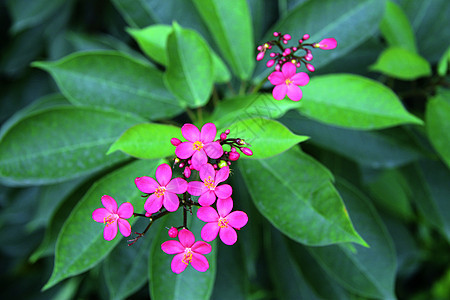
point(221, 222)
point(187, 252)
point(163, 191)
point(287, 81)
point(110, 215)
point(326, 44)
point(200, 145)
point(209, 188)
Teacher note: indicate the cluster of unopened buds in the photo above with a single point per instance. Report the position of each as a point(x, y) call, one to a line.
point(285, 77)
point(164, 195)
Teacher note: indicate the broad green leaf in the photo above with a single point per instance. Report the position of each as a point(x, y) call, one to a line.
point(137, 14)
point(126, 268)
point(402, 64)
point(266, 137)
point(80, 244)
point(303, 204)
point(386, 148)
point(353, 101)
point(250, 106)
point(147, 140)
point(368, 272)
point(350, 22)
point(190, 284)
point(444, 62)
point(153, 42)
point(113, 80)
point(396, 28)
point(437, 121)
point(190, 71)
point(230, 25)
point(61, 143)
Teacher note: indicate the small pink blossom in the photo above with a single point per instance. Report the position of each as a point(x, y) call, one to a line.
point(209, 188)
point(221, 222)
point(200, 145)
point(111, 216)
point(163, 191)
point(287, 82)
point(187, 251)
point(173, 232)
point(326, 44)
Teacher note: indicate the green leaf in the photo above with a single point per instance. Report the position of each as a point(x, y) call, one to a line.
point(396, 28)
point(437, 121)
point(302, 185)
point(153, 42)
point(386, 148)
point(190, 284)
point(136, 13)
point(231, 27)
point(444, 63)
point(80, 244)
point(249, 106)
point(113, 80)
point(353, 101)
point(266, 137)
point(189, 73)
point(147, 140)
point(61, 143)
point(350, 22)
point(368, 272)
point(401, 64)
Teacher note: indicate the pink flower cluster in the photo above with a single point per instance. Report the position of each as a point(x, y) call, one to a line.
point(287, 81)
point(203, 153)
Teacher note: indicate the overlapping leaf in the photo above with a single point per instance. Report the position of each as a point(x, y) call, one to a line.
point(438, 125)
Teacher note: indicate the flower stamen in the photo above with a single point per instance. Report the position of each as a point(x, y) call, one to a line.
point(160, 191)
point(187, 257)
point(209, 183)
point(197, 145)
point(223, 223)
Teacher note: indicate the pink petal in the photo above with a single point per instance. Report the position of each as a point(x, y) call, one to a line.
point(222, 175)
point(190, 132)
point(277, 78)
point(213, 150)
point(228, 235)
point(110, 231)
point(300, 79)
point(294, 92)
point(199, 159)
point(288, 70)
point(279, 92)
point(163, 174)
point(328, 44)
point(237, 219)
point(109, 203)
point(171, 201)
point(100, 214)
point(177, 186)
point(223, 191)
point(125, 210)
point(124, 227)
point(210, 231)
point(207, 198)
point(201, 247)
point(153, 203)
point(196, 188)
point(177, 264)
point(224, 206)
point(207, 172)
point(199, 262)
point(172, 247)
point(207, 214)
point(146, 184)
point(208, 133)
point(186, 238)
point(184, 150)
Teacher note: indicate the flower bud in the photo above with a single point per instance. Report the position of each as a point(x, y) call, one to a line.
point(181, 165)
point(173, 232)
point(176, 160)
point(227, 131)
point(260, 56)
point(247, 151)
point(308, 57)
point(175, 141)
point(305, 37)
point(223, 136)
point(233, 149)
point(233, 156)
point(310, 67)
point(287, 37)
point(270, 63)
point(277, 67)
point(147, 214)
point(215, 166)
point(222, 164)
point(187, 172)
point(276, 34)
point(272, 54)
point(285, 42)
point(326, 44)
point(260, 48)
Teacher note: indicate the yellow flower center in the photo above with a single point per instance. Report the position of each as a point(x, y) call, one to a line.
point(209, 183)
point(187, 257)
point(288, 81)
point(223, 223)
point(197, 145)
point(110, 219)
point(160, 191)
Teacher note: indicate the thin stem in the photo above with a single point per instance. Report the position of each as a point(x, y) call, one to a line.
point(200, 115)
point(191, 115)
point(242, 88)
point(151, 220)
point(259, 86)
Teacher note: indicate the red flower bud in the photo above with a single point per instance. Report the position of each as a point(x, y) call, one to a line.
point(247, 151)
